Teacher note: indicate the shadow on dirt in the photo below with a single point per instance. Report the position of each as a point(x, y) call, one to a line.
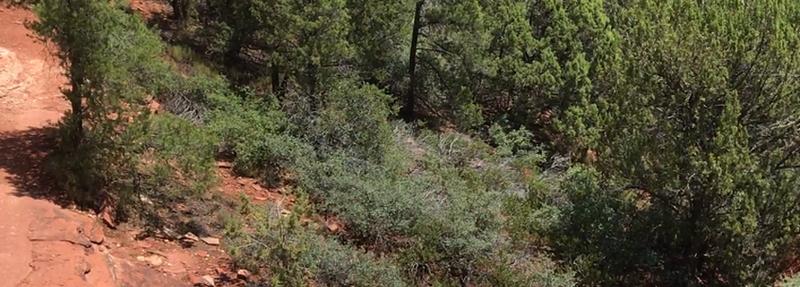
point(22, 156)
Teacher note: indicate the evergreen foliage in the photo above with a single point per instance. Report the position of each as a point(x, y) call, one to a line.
point(546, 142)
point(111, 149)
point(700, 130)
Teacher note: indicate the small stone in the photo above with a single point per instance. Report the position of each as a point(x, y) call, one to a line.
point(243, 274)
point(108, 220)
point(171, 234)
point(146, 200)
point(190, 236)
point(195, 280)
point(208, 280)
point(97, 237)
point(333, 227)
point(202, 253)
point(223, 164)
point(96, 234)
point(154, 107)
point(154, 260)
point(210, 240)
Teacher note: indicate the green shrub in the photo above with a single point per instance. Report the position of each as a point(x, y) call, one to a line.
point(81, 171)
point(338, 265)
point(254, 132)
point(193, 98)
point(456, 230)
point(237, 117)
point(294, 255)
point(450, 149)
point(435, 200)
point(444, 215)
point(353, 118)
point(509, 143)
point(374, 203)
point(182, 157)
point(523, 269)
point(535, 204)
point(190, 61)
point(162, 157)
point(595, 212)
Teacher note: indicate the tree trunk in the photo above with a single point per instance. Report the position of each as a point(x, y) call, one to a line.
point(311, 72)
point(275, 77)
point(77, 112)
point(231, 56)
point(407, 112)
point(76, 95)
point(177, 10)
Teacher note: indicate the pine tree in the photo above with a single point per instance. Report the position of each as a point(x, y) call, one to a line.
point(700, 127)
point(113, 61)
point(510, 61)
point(110, 58)
point(379, 35)
point(305, 42)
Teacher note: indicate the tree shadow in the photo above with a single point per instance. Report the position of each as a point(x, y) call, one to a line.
point(23, 154)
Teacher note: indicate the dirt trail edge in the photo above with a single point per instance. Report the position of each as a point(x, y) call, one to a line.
point(41, 243)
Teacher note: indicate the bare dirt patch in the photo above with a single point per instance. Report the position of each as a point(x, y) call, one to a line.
point(30, 77)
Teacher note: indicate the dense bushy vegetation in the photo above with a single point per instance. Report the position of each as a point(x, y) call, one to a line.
point(111, 150)
point(458, 143)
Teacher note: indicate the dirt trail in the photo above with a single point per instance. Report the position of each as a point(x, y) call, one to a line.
point(41, 243)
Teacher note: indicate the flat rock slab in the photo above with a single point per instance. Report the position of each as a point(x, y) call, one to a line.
point(129, 274)
point(58, 230)
point(64, 255)
point(210, 240)
point(57, 264)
